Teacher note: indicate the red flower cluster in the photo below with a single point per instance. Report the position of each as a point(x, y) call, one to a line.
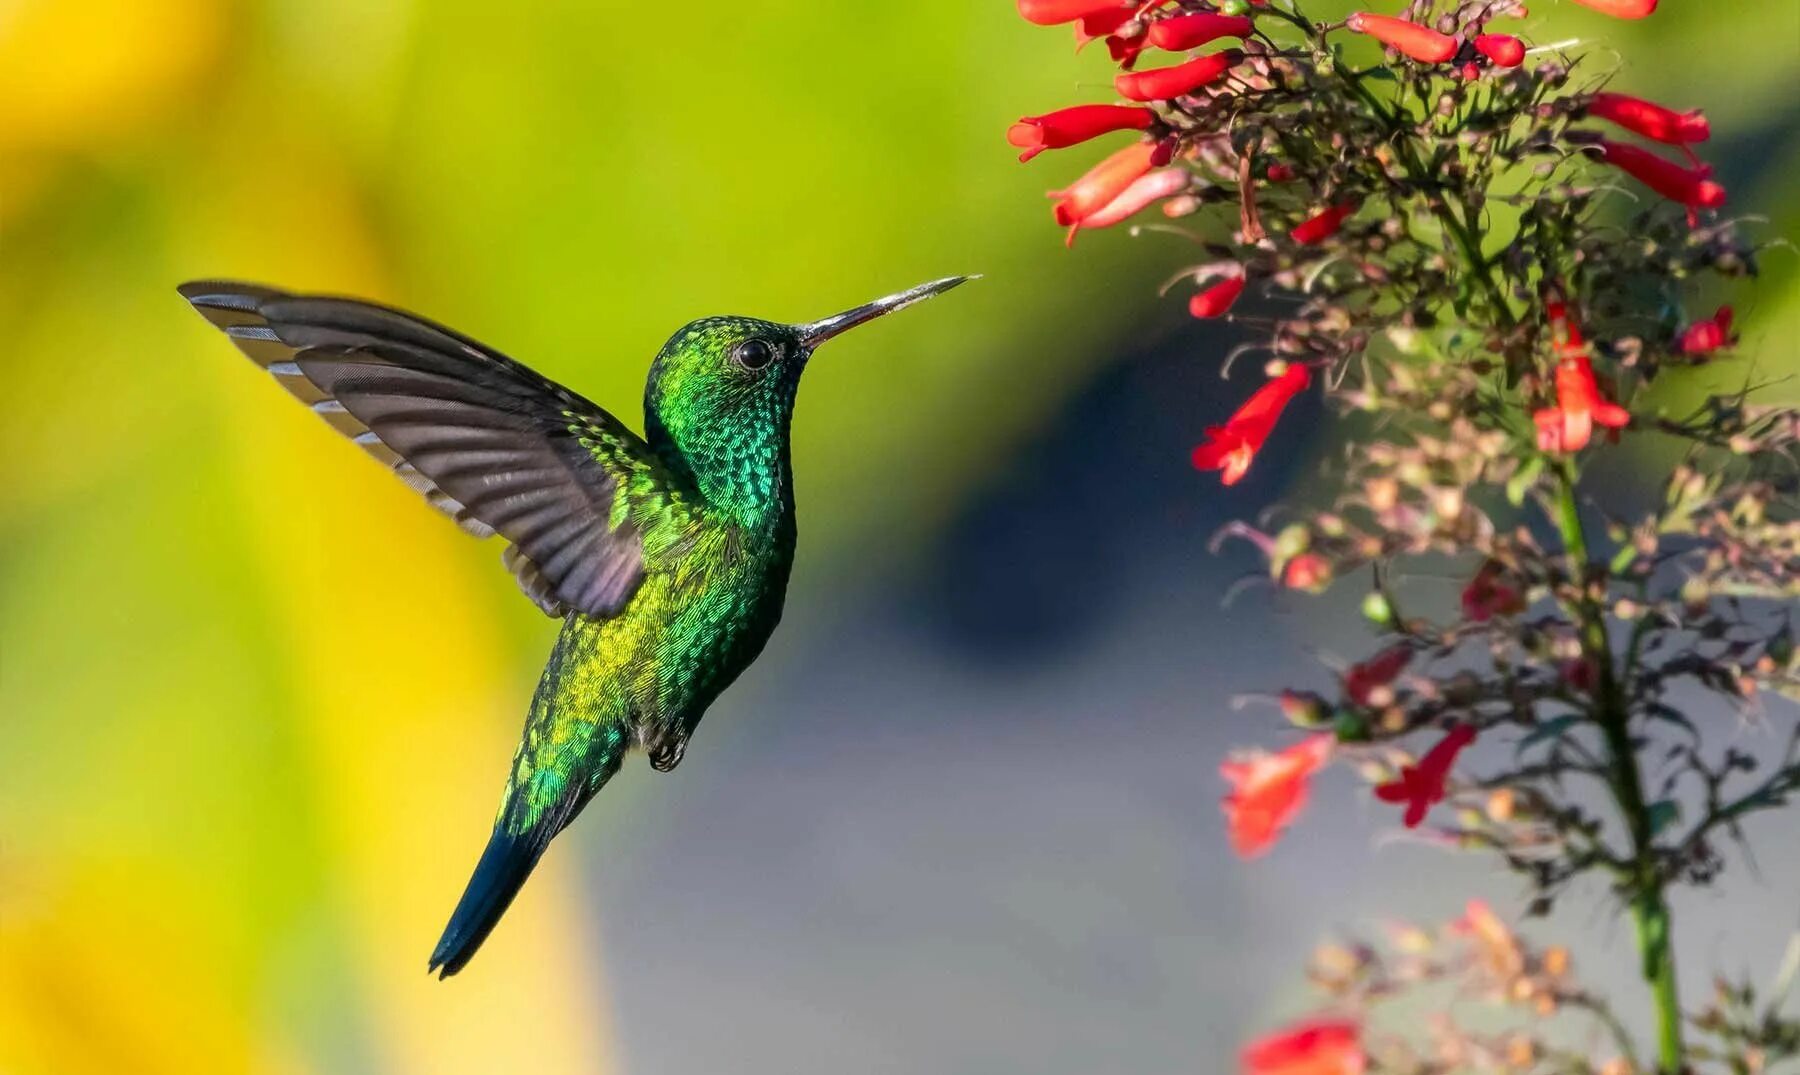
point(1107, 195)
point(1689, 186)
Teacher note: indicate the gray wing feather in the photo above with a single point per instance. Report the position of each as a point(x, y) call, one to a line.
point(484, 439)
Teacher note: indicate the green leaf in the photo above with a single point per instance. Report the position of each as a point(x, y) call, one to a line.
point(1554, 728)
point(1663, 813)
point(1522, 481)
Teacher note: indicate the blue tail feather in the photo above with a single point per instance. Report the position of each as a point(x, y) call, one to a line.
point(504, 866)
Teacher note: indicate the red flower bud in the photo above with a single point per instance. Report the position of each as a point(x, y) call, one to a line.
point(1103, 182)
point(1214, 301)
point(1185, 32)
point(1052, 12)
point(1360, 680)
point(1504, 49)
point(1280, 173)
point(1622, 9)
point(1689, 186)
point(1309, 571)
point(1133, 199)
point(1422, 43)
point(1651, 120)
point(1705, 337)
point(1184, 78)
point(1491, 593)
point(1072, 126)
point(1322, 225)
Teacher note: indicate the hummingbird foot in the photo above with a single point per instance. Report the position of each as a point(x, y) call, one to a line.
point(667, 754)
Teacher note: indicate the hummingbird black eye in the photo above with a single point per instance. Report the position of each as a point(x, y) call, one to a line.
point(753, 354)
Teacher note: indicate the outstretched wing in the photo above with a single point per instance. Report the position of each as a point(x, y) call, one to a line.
point(496, 446)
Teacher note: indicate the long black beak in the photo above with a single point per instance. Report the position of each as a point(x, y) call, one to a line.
point(819, 331)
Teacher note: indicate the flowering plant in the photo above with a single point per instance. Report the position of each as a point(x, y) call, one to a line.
point(1487, 259)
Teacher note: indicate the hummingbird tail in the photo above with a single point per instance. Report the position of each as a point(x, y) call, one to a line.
point(504, 866)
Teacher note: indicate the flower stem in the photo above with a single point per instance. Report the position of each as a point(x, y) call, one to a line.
point(1643, 883)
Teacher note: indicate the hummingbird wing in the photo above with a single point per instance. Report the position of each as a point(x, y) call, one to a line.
point(498, 447)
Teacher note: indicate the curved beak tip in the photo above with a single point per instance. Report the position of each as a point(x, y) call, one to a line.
point(819, 331)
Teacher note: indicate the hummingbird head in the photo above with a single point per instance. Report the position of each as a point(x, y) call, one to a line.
point(721, 392)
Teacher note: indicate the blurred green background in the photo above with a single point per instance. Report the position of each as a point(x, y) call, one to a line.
point(255, 700)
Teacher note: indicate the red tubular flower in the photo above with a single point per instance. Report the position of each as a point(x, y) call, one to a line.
point(1144, 190)
point(1504, 49)
point(1622, 9)
point(1689, 186)
point(1422, 43)
point(1102, 183)
point(1360, 680)
point(1052, 12)
point(1231, 447)
point(1311, 1047)
point(1165, 82)
point(1185, 32)
point(1072, 126)
point(1322, 225)
point(1214, 301)
point(1653, 121)
point(1489, 594)
point(1568, 426)
point(1421, 786)
point(1705, 337)
point(1101, 24)
point(1268, 791)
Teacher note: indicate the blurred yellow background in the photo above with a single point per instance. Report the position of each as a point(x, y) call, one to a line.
point(255, 700)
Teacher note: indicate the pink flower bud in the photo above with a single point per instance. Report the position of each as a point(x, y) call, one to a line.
point(1142, 192)
point(1102, 183)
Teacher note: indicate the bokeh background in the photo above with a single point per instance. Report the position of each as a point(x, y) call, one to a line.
point(255, 700)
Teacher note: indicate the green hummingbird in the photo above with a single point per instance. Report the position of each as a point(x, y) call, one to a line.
point(666, 556)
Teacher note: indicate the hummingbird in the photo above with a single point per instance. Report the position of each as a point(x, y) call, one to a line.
point(665, 556)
